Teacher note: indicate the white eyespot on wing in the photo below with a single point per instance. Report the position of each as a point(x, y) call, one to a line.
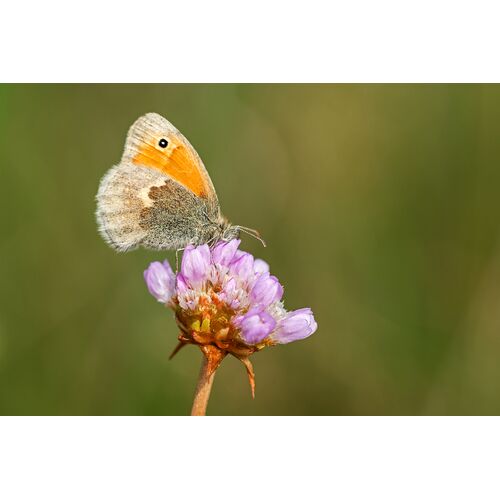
point(122, 195)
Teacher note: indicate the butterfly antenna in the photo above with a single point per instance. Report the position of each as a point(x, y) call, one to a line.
point(252, 232)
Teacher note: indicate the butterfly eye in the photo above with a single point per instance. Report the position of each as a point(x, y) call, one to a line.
point(163, 143)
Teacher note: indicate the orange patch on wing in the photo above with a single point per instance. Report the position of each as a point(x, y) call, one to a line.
point(178, 163)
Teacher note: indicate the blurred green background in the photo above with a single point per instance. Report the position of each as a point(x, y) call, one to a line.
point(379, 203)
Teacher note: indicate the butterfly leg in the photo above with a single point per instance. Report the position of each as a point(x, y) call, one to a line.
point(177, 259)
point(212, 241)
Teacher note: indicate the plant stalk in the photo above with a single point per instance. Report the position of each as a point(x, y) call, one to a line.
point(203, 388)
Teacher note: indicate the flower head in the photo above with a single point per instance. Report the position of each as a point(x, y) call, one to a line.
point(224, 298)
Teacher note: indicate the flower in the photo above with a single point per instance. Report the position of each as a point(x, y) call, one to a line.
point(255, 325)
point(223, 252)
point(296, 325)
point(266, 290)
point(225, 299)
point(160, 280)
point(195, 265)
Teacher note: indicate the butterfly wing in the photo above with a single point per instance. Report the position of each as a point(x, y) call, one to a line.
point(178, 159)
point(160, 196)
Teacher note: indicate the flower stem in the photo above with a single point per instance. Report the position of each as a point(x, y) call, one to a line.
point(203, 388)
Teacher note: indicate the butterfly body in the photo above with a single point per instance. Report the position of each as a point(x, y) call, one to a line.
point(160, 195)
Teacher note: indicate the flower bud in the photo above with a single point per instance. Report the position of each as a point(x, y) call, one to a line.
point(296, 325)
point(242, 265)
point(223, 252)
point(266, 290)
point(160, 280)
point(260, 266)
point(195, 264)
point(255, 325)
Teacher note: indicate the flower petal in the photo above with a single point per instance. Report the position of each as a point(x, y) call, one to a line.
point(255, 325)
point(160, 280)
point(242, 266)
point(230, 293)
point(266, 290)
point(223, 252)
point(296, 325)
point(182, 285)
point(260, 266)
point(195, 264)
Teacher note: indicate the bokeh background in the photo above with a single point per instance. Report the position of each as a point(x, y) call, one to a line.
point(379, 203)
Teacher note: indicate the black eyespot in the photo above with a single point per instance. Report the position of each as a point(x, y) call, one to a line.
point(163, 143)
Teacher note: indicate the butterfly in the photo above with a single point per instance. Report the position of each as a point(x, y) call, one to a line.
point(160, 195)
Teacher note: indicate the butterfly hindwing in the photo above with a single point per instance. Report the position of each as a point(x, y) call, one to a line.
point(142, 206)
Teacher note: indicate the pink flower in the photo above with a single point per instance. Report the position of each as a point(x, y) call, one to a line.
point(296, 325)
point(266, 290)
point(223, 253)
point(195, 264)
point(229, 298)
point(160, 280)
point(260, 266)
point(242, 266)
point(255, 325)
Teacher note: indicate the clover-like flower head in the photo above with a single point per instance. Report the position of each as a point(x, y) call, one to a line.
point(223, 297)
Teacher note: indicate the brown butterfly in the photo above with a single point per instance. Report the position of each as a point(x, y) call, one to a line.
point(160, 196)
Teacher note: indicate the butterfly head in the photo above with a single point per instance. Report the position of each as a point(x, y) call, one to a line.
point(229, 232)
